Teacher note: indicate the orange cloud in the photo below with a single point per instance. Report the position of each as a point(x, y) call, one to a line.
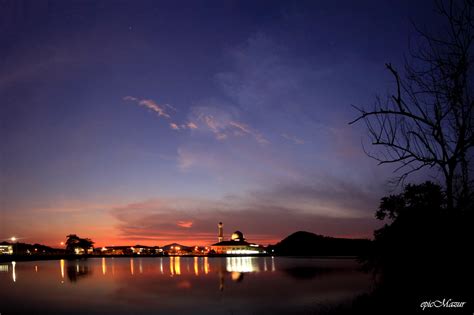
point(185, 224)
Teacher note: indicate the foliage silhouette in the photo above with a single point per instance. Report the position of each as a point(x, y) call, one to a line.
point(73, 241)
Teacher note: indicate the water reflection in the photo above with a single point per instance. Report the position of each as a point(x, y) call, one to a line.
point(77, 270)
point(215, 282)
point(13, 271)
point(235, 267)
point(242, 264)
point(61, 266)
point(104, 266)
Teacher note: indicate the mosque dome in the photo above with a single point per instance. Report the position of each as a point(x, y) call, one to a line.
point(237, 236)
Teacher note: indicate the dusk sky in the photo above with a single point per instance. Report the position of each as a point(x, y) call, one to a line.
point(148, 122)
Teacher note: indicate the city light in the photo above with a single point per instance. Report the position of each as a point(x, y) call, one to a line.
point(13, 239)
point(242, 252)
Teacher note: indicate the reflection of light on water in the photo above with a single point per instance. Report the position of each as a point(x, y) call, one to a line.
point(13, 271)
point(131, 266)
point(273, 263)
point(177, 265)
point(242, 264)
point(196, 266)
point(236, 276)
point(140, 266)
point(61, 264)
point(265, 264)
point(206, 265)
point(104, 266)
point(161, 265)
point(3, 268)
point(36, 268)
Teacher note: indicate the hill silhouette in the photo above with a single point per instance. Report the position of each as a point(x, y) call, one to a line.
point(304, 243)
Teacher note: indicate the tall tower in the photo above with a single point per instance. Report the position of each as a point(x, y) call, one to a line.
point(220, 233)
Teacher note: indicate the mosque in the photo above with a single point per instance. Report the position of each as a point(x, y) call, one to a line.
point(237, 245)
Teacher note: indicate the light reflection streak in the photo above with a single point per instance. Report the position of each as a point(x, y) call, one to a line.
point(196, 266)
point(104, 266)
point(242, 264)
point(177, 265)
point(13, 271)
point(131, 266)
point(206, 265)
point(61, 264)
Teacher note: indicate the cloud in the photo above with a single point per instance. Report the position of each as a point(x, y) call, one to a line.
point(174, 126)
point(185, 224)
point(222, 121)
point(191, 125)
point(154, 107)
point(216, 120)
point(150, 104)
point(293, 139)
point(330, 207)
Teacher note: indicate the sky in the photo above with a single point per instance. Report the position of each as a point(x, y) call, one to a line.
point(148, 122)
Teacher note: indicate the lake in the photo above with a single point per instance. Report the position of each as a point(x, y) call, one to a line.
point(179, 285)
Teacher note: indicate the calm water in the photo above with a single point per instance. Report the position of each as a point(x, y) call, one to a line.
point(179, 285)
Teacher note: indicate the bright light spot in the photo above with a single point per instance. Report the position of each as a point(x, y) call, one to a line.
point(13, 239)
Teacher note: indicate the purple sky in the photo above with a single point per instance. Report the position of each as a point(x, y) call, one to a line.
point(149, 122)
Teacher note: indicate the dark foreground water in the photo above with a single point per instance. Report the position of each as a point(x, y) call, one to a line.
point(179, 285)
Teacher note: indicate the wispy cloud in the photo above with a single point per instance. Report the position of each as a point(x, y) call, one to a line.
point(174, 126)
point(222, 122)
point(293, 139)
point(185, 224)
point(150, 104)
point(191, 125)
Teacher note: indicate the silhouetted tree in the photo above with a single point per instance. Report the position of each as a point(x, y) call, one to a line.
point(422, 243)
point(429, 120)
point(73, 241)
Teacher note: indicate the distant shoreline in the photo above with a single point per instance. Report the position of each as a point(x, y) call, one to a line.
point(11, 258)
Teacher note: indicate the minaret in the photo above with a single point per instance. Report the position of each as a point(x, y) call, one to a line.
point(220, 234)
